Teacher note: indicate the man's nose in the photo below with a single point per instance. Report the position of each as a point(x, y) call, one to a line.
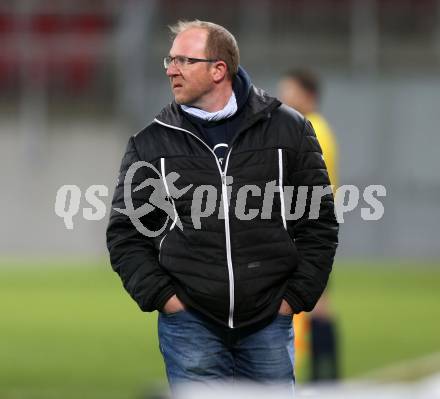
point(172, 70)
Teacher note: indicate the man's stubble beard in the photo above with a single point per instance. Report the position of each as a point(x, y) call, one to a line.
point(192, 99)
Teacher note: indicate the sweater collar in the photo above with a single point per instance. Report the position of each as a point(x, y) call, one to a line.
point(229, 110)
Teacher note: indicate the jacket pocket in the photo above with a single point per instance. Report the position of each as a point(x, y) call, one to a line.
point(172, 314)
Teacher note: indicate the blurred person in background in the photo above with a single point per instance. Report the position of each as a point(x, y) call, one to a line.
point(316, 334)
point(225, 291)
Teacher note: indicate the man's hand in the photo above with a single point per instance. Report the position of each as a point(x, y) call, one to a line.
point(173, 305)
point(285, 308)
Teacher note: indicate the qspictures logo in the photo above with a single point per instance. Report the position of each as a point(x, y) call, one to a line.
point(163, 194)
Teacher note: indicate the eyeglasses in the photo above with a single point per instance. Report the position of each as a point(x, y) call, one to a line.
point(181, 60)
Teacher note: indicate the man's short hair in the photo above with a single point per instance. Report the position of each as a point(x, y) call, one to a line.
point(306, 79)
point(220, 43)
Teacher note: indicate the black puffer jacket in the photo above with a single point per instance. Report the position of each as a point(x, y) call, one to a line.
point(236, 272)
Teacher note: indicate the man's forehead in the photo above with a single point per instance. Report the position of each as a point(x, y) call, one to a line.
point(190, 42)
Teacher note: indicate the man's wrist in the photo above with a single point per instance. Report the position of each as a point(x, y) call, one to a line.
point(173, 305)
point(164, 298)
point(285, 308)
point(294, 302)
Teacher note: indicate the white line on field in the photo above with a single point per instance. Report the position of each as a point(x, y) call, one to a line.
point(407, 370)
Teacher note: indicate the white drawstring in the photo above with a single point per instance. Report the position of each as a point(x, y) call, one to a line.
point(162, 171)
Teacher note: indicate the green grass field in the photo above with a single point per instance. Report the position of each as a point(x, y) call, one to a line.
point(70, 331)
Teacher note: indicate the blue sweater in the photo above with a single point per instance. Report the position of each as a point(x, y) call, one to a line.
point(218, 134)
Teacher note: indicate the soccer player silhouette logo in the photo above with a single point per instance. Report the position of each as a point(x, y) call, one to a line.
point(162, 197)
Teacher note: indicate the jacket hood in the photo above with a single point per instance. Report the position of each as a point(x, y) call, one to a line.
point(242, 87)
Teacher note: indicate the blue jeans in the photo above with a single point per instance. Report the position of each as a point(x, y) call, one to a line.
point(196, 350)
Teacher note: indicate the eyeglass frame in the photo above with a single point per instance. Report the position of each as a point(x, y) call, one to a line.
point(186, 60)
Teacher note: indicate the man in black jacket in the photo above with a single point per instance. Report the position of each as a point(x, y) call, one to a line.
point(227, 278)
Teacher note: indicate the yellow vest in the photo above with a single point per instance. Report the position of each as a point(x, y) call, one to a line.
point(329, 148)
point(328, 144)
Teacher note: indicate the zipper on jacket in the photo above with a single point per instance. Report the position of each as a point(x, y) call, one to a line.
point(228, 243)
point(226, 215)
point(281, 187)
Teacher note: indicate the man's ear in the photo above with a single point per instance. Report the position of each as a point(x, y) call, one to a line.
point(219, 71)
